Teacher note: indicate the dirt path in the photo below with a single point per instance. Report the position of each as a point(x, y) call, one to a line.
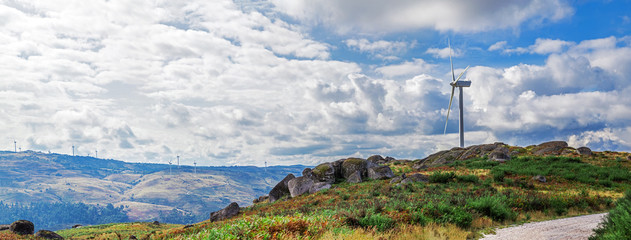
point(568, 228)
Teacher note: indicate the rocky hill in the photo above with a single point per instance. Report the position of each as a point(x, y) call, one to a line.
point(143, 189)
point(453, 194)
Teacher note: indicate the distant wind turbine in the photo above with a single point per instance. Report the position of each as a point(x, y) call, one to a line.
point(456, 82)
point(170, 166)
point(15, 146)
point(195, 166)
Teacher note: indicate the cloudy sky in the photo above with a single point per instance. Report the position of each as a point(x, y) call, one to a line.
point(242, 82)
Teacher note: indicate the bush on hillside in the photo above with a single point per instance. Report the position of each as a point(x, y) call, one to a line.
point(617, 225)
point(494, 207)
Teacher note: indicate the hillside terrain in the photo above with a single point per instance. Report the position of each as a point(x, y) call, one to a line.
point(456, 194)
point(144, 190)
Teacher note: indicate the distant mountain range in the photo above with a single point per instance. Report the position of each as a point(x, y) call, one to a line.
point(144, 189)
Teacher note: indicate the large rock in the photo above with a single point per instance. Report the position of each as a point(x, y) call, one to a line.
point(281, 189)
point(319, 186)
point(380, 172)
point(352, 165)
point(397, 179)
point(260, 199)
point(584, 151)
point(356, 177)
point(417, 177)
point(307, 172)
point(48, 234)
point(539, 178)
point(299, 186)
point(4, 227)
point(337, 165)
point(22, 227)
point(499, 154)
point(549, 148)
point(481, 150)
point(378, 159)
point(440, 158)
point(324, 172)
point(228, 212)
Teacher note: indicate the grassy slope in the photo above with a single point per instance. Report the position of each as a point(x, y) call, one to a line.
point(461, 200)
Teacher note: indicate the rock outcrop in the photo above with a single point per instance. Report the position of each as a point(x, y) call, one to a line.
point(497, 151)
point(261, 199)
point(417, 177)
point(380, 172)
point(299, 186)
point(281, 189)
point(549, 148)
point(352, 170)
point(319, 186)
point(22, 227)
point(584, 151)
point(228, 212)
point(4, 227)
point(354, 166)
point(45, 234)
point(539, 178)
point(324, 172)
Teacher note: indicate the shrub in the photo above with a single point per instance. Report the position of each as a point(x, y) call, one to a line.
point(378, 221)
point(559, 206)
point(468, 178)
point(440, 177)
point(494, 207)
point(446, 213)
point(498, 175)
point(616, 225)
point(420, 218)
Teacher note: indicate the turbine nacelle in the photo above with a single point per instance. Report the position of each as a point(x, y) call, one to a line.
point(460, 83)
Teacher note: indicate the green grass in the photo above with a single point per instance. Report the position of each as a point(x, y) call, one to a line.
point(472, 195)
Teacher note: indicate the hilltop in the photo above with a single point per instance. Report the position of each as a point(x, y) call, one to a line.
point(145, 191)
point(456, 194)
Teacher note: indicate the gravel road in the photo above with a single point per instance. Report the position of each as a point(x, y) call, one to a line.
point(568, 228)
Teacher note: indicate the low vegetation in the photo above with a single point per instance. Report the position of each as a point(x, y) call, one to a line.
point(459, 201)
point(617, 224)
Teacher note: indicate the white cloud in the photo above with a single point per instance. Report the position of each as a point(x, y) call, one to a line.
point(375, 16)
point(541, 46)
point(577, 90)
point(547, 46)
point(381, 49)
point(145, 81)
point(498, 46)
point(418, 66)
point(444, 52)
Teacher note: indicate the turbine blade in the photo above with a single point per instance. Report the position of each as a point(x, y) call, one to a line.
point(449, 108)
point(453, 75)
point(462, 73)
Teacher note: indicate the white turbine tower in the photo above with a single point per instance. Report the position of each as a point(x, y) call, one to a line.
point(456, 82)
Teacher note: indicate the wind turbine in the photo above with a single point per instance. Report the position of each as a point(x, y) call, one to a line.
point(456, 82)
point(170, 166)
point(195, 166)
point(15, 146)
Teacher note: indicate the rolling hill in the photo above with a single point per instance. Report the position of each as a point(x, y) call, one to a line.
point(144, 190)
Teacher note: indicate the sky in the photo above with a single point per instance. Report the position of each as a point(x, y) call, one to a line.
point(250, 82)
